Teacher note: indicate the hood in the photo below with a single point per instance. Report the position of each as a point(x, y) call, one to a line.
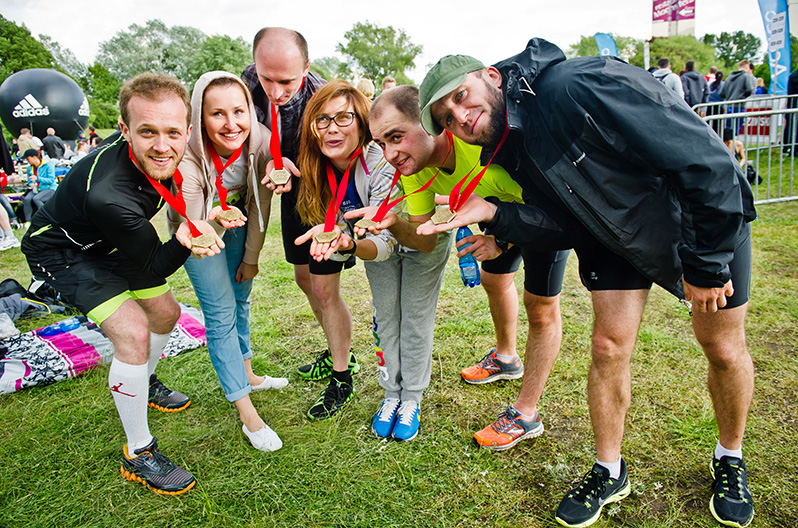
point(735, 74)
point(196, 143)
point(538, 55)
point(659, 74)
point(692, 75)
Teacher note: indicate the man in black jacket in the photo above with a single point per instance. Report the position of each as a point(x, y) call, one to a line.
point(696, 89)
point(640, 200)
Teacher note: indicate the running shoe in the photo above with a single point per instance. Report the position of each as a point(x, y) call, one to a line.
point(508, 429)
point(323, 365)
point(582, 505)
point(385, 418)
point(334, 396)
point(731, 504)
point(408, 420)
point(154, 469)
point(492, 369)
point(165, 399)
point(9, 242)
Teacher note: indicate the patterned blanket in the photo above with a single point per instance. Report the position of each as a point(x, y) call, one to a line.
point(69, 348)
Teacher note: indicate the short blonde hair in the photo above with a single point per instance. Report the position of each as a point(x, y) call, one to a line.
point(152, 87)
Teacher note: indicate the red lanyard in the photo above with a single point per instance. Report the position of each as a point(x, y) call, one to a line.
point(386, 206)
point(217, 162)
point(338, 191)
point(176, 203)
point(456, 200)
point(274, 141)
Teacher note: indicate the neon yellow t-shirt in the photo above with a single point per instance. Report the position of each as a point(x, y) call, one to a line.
point(495, 181)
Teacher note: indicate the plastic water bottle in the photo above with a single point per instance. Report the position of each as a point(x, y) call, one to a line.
point(58, 328)
point(469, 268)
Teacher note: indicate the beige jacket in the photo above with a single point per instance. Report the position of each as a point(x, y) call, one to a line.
point(199, 173)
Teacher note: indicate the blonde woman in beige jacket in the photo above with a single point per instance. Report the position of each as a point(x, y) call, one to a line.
point(228, 139)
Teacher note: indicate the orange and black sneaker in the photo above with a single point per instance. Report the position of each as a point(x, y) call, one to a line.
point(492, 368)
point(508, 429)
point(154, 469)
point(165, 399)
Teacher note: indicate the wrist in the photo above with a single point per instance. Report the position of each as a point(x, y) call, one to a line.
point(350, 251)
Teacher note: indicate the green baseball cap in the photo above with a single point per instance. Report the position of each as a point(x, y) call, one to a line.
point(443, 78)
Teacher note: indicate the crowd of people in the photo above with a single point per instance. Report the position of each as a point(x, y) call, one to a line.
point(542, 170)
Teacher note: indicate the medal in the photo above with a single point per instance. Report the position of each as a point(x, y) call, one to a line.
point(325, 238)
point(443, 216)
point(203, 241)
point(231, 214)
point(365, 223)
point(279, 176)
point(227, 211)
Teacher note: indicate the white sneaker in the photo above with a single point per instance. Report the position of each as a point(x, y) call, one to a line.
point(271, 383)
point(8, 243)
point(264, 439)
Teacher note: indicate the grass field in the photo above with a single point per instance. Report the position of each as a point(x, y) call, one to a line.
point(60, 445)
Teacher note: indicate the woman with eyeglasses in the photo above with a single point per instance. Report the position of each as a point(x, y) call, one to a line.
point(342, 170)
point(225, 160)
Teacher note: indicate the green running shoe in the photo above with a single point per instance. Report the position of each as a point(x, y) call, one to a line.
point(582, 505)
point(323, 365)
point(334, 396)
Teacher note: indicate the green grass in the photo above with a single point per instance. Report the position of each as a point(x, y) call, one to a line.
point(60, 445)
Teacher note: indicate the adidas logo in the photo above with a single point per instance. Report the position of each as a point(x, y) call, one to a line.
point(30, 107)
point(84, 108)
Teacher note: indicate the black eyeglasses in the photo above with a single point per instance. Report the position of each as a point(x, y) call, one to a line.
point(341, 119)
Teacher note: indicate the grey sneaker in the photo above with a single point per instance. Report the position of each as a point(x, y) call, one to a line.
point(154, 469)
point(165, 399)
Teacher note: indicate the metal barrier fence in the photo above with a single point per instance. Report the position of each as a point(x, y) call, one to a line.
point(766, 128)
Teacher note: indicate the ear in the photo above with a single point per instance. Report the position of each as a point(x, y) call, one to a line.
point(123, 128)
point(494, 77)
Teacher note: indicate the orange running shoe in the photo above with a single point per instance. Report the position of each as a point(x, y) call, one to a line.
point(508, 429)
point(492, 369)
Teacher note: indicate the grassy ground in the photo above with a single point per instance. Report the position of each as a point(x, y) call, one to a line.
point(60, 445)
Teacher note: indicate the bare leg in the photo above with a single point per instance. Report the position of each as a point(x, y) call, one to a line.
point(617, 319)
point(542, 347)
point(337, 319)
point(302, 278)
point(503, 302)
point(731, 371)
point(248, 415)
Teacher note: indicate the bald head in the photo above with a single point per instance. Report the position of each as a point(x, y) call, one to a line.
point(50, 131)
point(281, 60)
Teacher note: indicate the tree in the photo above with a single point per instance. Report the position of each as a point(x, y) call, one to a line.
point(587, 47)
point(151, 47)
point(731, 48)
point(102, 91)
point(678, 50)
point(376, 52)
point(64, 58)
point(19, 50)
point(220, 52)
point(330, 68)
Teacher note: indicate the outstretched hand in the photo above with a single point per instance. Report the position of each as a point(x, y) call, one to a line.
point(183, 235)
point(368, 214)
point(474, 210)
point(213, 215)
point(324, 251)
point(279, 189)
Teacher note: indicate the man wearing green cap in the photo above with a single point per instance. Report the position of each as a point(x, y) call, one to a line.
point(658, 200)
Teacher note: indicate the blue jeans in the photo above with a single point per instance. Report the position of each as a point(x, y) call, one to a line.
point(225, 307)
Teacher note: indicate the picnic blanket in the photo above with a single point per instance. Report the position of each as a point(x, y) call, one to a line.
point(71, 347)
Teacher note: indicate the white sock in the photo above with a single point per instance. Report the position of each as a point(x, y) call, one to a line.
point(505, 358)
point(8, 234)
point(157, 344)
point(721, 451)
point(129, 386)
point(613, 467)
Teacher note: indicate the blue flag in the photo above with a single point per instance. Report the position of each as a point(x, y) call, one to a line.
point(777, 29)
point(606, 44)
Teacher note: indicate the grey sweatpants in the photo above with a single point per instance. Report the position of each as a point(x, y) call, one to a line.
point(404, 291)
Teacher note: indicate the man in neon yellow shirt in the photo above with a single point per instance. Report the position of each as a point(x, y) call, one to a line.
point(395, 125)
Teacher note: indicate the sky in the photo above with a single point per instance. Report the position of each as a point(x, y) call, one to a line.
point(492, 32)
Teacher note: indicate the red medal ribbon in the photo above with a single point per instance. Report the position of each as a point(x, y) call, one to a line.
point(386, 206)
point(177, 203)
point(274, 142)
point(217, 162)
point(338, 191)
point(456, 200)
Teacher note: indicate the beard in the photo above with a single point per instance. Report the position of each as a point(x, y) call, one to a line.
point(491, 136)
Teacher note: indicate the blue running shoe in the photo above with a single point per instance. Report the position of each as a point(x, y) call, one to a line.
point(385, 418)
point(408, 420)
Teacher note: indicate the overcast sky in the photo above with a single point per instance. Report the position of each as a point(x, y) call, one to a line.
point(493, 32)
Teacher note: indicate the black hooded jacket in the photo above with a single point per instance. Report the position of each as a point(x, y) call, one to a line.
point(627, 158)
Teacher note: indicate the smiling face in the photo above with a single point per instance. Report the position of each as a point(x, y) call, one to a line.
point(474, 111)
point(338, 142)
point(157, 133)
point(226, 118)
point(406, 145)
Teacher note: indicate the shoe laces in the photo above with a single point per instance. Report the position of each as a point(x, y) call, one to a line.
point(161, 461)
point(488, 361)
point(592, 485)
point(730, 479)
point(407, 411)
point(159, 388)
point(505, 420)
point(388, 409)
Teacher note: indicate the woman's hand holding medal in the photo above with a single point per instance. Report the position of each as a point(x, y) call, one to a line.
point(277, 181)
point(214, 215)
point(329, 244)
